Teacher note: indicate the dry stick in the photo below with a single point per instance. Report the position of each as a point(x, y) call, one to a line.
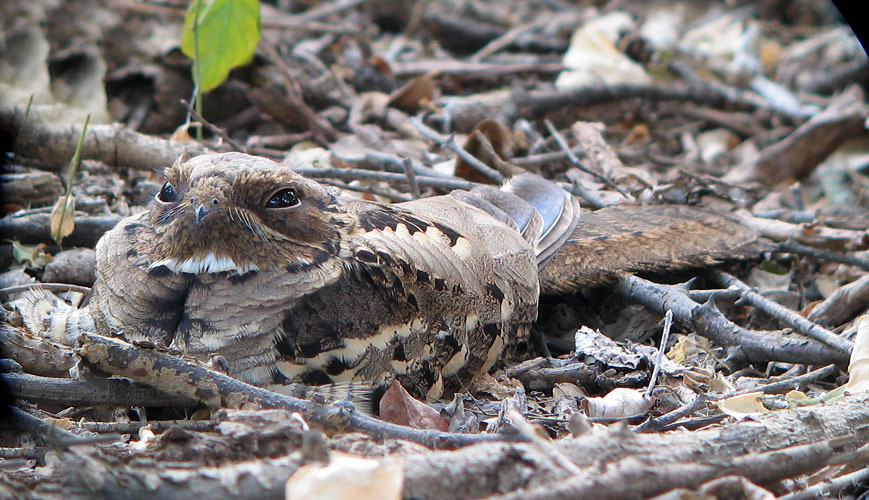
point(54, 436)
point(665, 336)
point(355, 174)
point(90, 392)
point(733, 94)
point(327, 9)
point(155, 425)
point(542, 102)
point(398, 197)
point(785, 315)
point(212, 127)
point(820, 253)
point(321, 127)
point(375, 160)
point(177, 376)
point(36, 228)
point(284, 22)
point(411, 179)
point(109, 144)
point(450, 143)
point(827, 486)
point(542, 158)
point(658, 423)
point(578, 164)
point(666, 420)
point(57, 287)
point(707, 320)
point(508, 38)
point(634, 477)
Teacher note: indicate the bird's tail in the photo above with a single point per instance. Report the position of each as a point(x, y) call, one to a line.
point(545, 214)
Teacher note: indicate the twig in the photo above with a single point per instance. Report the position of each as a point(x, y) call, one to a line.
point(578, 164)
point(54, 436)
point(819, 253)
point(355, 174)
point(658, 423)
point(321, 127)
point(706, 320)
point(376, 160)
point(59, 287)
point(785, 315)
point(90, 392)
point(110, 144)
point(508, 38)
point(36, 228)
point(327, 9)
point(411, 179)
point(827, 486)
point(156, 426)
point(665, 336)
point(177, 376)
point(549, 450)
point(213, 128)
point(366, 189)
point(450, 143)
point(542, 158)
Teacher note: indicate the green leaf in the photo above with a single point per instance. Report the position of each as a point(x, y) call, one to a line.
point(224, 33)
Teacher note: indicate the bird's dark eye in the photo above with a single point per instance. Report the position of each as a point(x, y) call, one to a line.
point(283, 199)
point(167, 194)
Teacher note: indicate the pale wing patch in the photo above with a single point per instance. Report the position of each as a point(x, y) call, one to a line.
point(493, 355)
point(208, 264)
point(456, 362)
point(437, 389)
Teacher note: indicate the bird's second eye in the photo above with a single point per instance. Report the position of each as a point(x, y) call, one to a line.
point(167, 194)
point(283, 199)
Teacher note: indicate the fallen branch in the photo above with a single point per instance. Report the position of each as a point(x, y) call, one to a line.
point(112, 144)
point(177, 376)
point(705, 319)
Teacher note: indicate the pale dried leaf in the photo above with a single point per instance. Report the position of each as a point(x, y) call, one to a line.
point(621, 402)
point(592, 56)
point(63, 217)
point(742, 405)
point(348, 477)
point(858, 369)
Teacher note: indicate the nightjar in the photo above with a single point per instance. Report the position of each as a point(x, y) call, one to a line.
point(286, 280)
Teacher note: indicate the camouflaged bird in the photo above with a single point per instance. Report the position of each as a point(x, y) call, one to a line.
point(286, 281)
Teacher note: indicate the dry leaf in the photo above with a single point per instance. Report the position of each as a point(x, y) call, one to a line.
point(182, 133)
point(399, 407)
point(31, 255)
point(720, 384)
point(348, 477)
point(743, 405)
point(498, 136)
point(592, 56)
point(858, 369)
point(621, 402)
point(415, 93)
point(63, 217)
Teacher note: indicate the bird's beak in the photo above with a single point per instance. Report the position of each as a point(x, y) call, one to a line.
point(200, 212)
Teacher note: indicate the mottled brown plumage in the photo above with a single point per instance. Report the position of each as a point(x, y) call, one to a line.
point(287, 281)
point(284, 280)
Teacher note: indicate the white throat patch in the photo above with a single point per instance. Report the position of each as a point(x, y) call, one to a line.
point(208, 264)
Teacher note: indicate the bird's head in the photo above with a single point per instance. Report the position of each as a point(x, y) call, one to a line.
point(235, 212)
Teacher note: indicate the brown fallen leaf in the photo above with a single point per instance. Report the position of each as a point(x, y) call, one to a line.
point(398, 407)
point(415, 93)
point(497, 151)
